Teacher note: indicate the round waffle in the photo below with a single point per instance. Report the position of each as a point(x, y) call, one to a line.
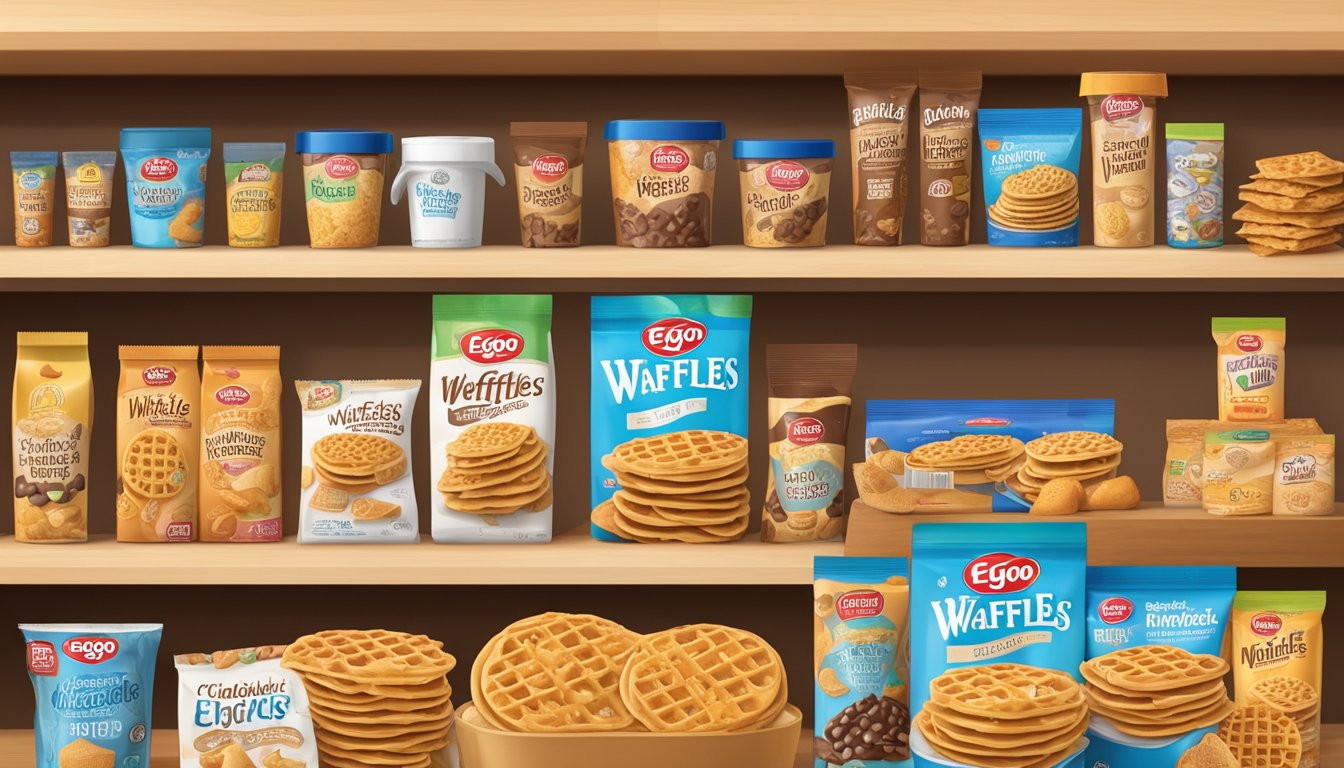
point(1073, 447)
point(1289, 695)
point(376, 655)
point(1154, 668)
point(966, 452)
point(555, 672)
point(1005, 691)
point(357, 458)
point(491, 438)
point(1260, 737)
point(152, 465)
point(703, 677)
point(1153, 691)
point(496, 468)
point(1040, 182)
point(689, 452)
point(970, 741)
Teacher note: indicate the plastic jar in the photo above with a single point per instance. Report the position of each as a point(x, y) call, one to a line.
point(443, 178)
point(662, 181)
point(785, 188)
point(343, 173)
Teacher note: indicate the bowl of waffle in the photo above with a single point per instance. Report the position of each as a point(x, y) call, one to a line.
point(579, 691)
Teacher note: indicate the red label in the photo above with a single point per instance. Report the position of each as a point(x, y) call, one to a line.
point(988, 422)
point(859, 604)
point(493, 346)
point(550, 168)
point(159, 376)
point(342, 167)
point(1115, 610)
point(1120, 106)
point(669, 159)
point(1000, 573)
point(179, 532)
point(1266, 624)
point(42, 659)
point(91, 650)
point(255, 172)
point(674, 336)
point(806, 431)
point(233, 395)
point(786, 176)
point(323, 392)
point(1249, 342)
point(158, 169)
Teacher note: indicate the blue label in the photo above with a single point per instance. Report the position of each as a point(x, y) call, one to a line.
point(1026, 142)
point(809, 486)
point(166, 194)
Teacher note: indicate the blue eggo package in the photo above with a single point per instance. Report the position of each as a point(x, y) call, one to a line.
point(987, 455)
point(669, 409)
point(998, 635)
point(94, 685)
point(1031, 157)
point(1155, 668)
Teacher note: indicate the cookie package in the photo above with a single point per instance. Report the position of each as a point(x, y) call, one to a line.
point(1195, 185)
point(1155, 668)
point(94, 686)
point(880, 108)
point(356, 485)
point(492, 419)
point(810, 387)
point(239, 709)
point(861, 660)
point(669, 413)
point(1030, 159)
point(1239, 473)
point(53, 424)
point(948, 102)
point(158, 440)
point(1304, 475)
point(1123, 107)
point(1278, 648)
point(983, 455)
point(997, 643)
point(1183, 469)
point(240, 444)
point(1250, 367)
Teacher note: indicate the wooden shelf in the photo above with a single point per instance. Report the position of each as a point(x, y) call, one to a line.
point(348, 37)
point(599, 268)
point(1150, 535)
point(572, 558)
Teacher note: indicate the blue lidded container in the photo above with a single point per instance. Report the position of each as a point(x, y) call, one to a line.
point(786, 185)
point(662, 181)
point(165, 185)
point(343, 178)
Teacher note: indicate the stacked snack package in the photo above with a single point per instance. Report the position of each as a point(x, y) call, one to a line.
point(240, 444)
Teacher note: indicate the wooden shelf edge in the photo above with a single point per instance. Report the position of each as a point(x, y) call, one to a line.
point(1150, 535)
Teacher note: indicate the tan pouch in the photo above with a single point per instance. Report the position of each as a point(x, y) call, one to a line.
point(1183, 470)
point(1238, 473)
point(1250, 367)
point(1278, 653)
point(240, 444)
point(158, 439)
point(1304, 476)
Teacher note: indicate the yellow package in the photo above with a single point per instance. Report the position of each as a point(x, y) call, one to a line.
point(239, 498)
point(1278, 650)
point(1250, 367)
point(1304, 476)
point(53, 419)
point(1183, 470)
point(1239, 473)
point(255, 178)
point(158, 436)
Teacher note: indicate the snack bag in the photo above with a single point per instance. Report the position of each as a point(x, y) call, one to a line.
point(53, 421)
point(1250, 367)
point(1168, 620)
point(669, 418)
point(158, 436)
point(356, 479)
point(241, 709)
point(1239, 473)
point(1031, 157)
point(492, 419)
point(1304, 475)
point(861, 621)
point(240, 444)
point(810, 386)
point(94, 685)
point(1183, 471)
point(1278, 647)
point(998, 636)
point(982, 455)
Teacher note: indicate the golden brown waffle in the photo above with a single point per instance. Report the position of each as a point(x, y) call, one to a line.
point(375, 655)
point(964, 452)
point(1287, 694)
point(1149, 701)
point(641, 524)
point(678, 453)
point(1006, 691)
point(979, 745)
point(360, 458)
point(367, 702)
point(552, 673)
point(703, 677)
point(1027, 726)
point(1075, 469)
point(491, 438)
point(152, 466)
point(1260, 737)
point(1073, 446)
point(1154, 668)
point(383, 716)
point(1039, 182)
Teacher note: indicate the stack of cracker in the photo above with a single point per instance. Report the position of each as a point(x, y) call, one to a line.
point(377, 697)
point(1004, 714)
point(1294, 204)
point(1301, 702)
point(682, 486)
point(1042, 197)
point(496, 468)
point(1081, 456)
point(1258, 735)
point(1155, 691)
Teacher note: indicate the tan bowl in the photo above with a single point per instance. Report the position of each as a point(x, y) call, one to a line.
point(484, 746)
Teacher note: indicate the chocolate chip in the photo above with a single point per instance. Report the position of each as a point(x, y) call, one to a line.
point(873, 728)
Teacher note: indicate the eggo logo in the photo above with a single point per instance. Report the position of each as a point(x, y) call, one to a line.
point(158, 169)
point(1000, 573)
point(550, 168)
point(233, 395)
point(1115, 610)
point(669, 159)
point(806, 431)
point(1249, 342)
point(859, 604)
point(1266, 624)
point(494, 346)
point(158, 376)
point(342, 167)
point(674, 336)
point(1120, 106)
point(786, 176)
point(91, 650)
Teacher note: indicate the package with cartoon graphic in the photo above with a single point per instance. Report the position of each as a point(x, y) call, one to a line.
point(669, 418)
point(998, 636)
point(1194, 185)
point(1250, 367)
point(356, 484)
point(861, 622)
point(240, 444)
point(158, 437)
point(1155, 663)
point(492, 419)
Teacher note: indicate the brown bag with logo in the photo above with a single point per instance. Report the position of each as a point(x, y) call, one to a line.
point(240, 444)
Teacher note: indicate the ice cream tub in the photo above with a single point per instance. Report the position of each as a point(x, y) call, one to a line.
point(343, 175)
point(662, 181)
point(165, 185)
point(443, 181)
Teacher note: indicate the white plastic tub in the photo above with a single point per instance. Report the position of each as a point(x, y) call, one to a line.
point(443, 180)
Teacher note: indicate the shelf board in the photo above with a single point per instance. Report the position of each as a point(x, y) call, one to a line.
point(534, 37)
point(1150, 535)
point(572, 558)
point(911, 268)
